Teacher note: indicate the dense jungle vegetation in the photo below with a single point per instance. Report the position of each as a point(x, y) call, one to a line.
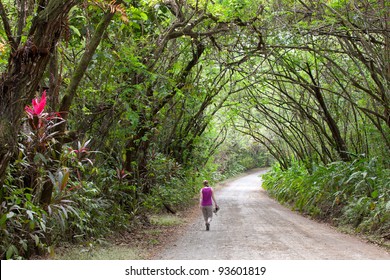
point(111, 110)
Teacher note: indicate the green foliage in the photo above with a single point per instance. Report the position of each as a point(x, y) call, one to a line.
point(75, 208)
point(356, 194)
point(239, 153)
point(232, 9)
point(158, 104)
point(79, 209)
point(23, 224)
point(173, 186)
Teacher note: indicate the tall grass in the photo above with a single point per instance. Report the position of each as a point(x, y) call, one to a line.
point(354, 194)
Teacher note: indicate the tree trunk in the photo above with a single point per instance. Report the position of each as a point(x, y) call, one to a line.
point(26, 66)
point(81, 68)
point(339, 142)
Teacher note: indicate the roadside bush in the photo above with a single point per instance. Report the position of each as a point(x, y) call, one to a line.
point(23, 227)
point(355, 194)
point(173, 186)
point(79, 210)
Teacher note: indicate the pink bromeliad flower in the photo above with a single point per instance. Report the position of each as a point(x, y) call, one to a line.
point(38, 105)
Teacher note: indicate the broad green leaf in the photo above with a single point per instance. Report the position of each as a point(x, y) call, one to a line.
point(3, 221)
point(12, 250)
point(143, 16)
point(75, 30)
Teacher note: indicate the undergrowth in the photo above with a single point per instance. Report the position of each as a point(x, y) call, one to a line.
point(354, 194)
point(88, 206)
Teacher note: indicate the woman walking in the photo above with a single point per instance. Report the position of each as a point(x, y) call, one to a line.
point(206, 203)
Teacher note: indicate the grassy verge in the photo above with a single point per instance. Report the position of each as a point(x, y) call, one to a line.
point(138, 244)
point(100, 252)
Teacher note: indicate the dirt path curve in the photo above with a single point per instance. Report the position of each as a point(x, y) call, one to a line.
point(250, 225)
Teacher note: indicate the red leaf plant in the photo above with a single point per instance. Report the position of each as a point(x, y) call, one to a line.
point(38, 105)
point(35, 112)
point(36, 115)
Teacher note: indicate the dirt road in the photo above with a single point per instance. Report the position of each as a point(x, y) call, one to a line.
point(250, 225)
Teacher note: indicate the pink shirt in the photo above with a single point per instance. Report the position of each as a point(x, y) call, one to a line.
point(207, 196)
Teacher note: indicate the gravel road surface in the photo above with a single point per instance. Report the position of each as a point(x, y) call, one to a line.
point(250, 225)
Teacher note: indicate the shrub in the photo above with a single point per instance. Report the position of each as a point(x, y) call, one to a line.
point(354, 193)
